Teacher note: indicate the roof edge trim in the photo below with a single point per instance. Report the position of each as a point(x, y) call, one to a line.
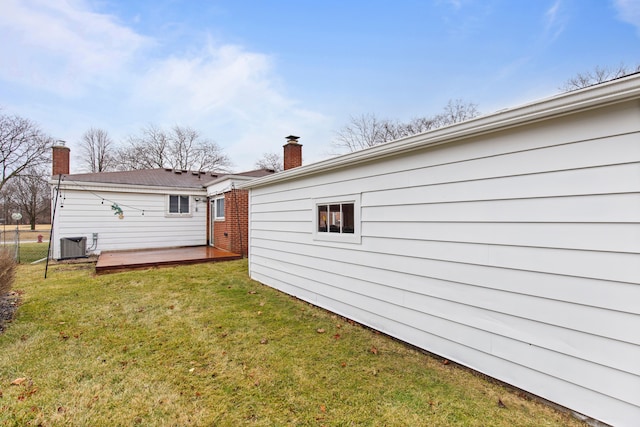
point(130, 188)
point(615, 91)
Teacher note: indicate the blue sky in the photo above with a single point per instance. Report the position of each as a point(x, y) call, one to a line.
point(248, 73)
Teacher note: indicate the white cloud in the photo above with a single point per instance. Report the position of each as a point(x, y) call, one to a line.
point(102, 73)
point(554, 21)
point(629, 11)
point(213, 79)
point(230, 94)
point(62, 46)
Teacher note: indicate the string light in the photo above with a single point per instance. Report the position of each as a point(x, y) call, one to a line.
point(103, 199)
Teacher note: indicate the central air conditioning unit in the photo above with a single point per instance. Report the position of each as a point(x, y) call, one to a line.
point(73, 247)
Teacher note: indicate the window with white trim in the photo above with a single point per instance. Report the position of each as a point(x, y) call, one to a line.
point(178, 205)
point(219, 208)
point(337, 219)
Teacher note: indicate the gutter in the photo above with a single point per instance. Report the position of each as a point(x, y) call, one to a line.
point(69, 184)
point(615, 91)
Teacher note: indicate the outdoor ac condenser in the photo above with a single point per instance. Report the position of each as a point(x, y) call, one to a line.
point(73, 247)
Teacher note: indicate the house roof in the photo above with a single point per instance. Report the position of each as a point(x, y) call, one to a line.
point(159, 177)
point(618, 90)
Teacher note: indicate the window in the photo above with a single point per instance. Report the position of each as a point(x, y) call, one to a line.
point(219, 214)
point(178, 205)
point(337, 220)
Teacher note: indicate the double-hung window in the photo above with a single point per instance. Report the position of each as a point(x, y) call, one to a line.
point(337, 219)
point(219, 208)
point(178, 205)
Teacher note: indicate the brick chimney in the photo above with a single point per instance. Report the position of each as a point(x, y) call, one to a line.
point(60, 162)
point(292, 153)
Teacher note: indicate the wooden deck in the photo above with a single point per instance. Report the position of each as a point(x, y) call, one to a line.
point(112, 262)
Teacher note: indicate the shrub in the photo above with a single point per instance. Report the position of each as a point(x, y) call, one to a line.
point(7, 271)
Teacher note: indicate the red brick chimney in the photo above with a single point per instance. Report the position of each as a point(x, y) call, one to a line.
point(60, 163)
point(292, 153)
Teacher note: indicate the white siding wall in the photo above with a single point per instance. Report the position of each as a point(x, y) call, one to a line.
point(515, 253)
point(82, 213)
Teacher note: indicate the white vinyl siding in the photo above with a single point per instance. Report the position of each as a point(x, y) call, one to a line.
point(145, 222)
point(516, 253)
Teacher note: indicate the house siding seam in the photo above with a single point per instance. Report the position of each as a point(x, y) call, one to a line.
point(516, 253)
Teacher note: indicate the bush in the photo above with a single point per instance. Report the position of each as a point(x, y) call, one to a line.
point(7, 271)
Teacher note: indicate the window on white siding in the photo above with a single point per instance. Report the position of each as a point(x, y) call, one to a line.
point(219, 208)
point(179, 205)
point(337, 219)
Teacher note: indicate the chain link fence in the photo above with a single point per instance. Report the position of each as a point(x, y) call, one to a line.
point(27, 246)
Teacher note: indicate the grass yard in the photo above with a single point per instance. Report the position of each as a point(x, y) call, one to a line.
point(26, 233)
point(30, 252)
point(203, 345)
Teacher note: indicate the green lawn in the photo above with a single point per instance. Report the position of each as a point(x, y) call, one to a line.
point(29, 252)
point(203, 345)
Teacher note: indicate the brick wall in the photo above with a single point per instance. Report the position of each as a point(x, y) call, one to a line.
point(235, 224)
point(219, 239)
point(292, 155)
point(60, 161)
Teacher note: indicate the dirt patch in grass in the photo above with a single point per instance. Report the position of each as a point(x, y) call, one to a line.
point(8, 306)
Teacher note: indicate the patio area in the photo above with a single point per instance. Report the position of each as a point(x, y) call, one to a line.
point(112, 262)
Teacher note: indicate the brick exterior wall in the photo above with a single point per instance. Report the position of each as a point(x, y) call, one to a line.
point(235, 224)
point(219, 239)
point(232, 233)
point(60, 162)
point(292, 155)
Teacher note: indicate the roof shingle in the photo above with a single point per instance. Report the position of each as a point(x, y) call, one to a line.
point(159, 177)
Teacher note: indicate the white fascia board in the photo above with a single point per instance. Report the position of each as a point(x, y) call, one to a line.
point(226, 183)
point(229, 177)
point(615, 91)
point(69, 184)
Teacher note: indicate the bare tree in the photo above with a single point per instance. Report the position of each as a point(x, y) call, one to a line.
point(456, 111)
point(597, 75)
point(183, 148)
point(22, 145)
point(180, 148)
point(271, 161)
point(190, 151)
point(146, 151)
point(97, 150)
point(29, 192)
point(418, 125)
point(367, 130)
